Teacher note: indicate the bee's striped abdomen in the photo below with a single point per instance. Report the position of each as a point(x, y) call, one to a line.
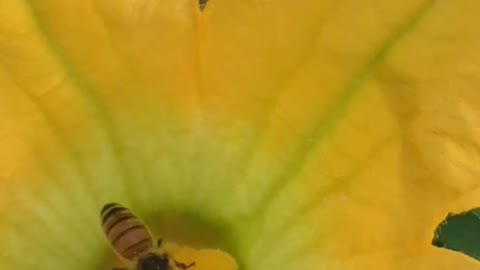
point(126, 232)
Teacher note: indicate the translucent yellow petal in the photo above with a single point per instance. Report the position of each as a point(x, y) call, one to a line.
point(412, 257)
point(314, 134)
point(367, 140)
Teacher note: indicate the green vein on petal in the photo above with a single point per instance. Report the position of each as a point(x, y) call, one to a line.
point(87, 92)
point(338, 110)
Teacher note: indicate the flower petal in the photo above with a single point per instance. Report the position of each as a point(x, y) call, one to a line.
point(415, 258)
point(316, 132)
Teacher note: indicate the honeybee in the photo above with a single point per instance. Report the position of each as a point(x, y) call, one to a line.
point(132, 240)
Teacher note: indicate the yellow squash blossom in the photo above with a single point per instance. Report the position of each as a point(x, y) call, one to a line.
point(309, 134)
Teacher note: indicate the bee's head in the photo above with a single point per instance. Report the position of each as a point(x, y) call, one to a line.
point(153, 262)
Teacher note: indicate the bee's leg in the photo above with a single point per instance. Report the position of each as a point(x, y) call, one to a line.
point(159, 242)
point(184, 266)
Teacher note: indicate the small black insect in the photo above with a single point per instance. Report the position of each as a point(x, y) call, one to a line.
point(202, 4)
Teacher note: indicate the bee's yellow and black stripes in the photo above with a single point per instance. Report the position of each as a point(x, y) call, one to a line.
point(126, 232)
